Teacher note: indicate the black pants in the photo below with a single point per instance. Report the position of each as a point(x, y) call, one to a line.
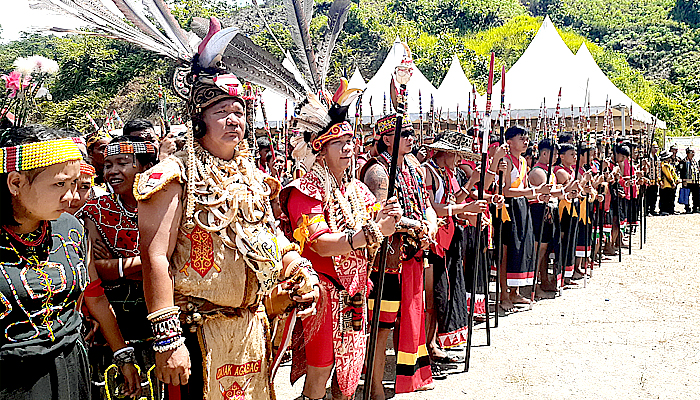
point(667, 200)
point(652, 194)
point(695, 194)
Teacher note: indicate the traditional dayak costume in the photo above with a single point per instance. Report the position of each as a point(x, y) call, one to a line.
point(568, 217)
point(446, 255)
point(547, 214)
point(42, 275)
point(402, 299)
point(518, 235)
point(336, 335)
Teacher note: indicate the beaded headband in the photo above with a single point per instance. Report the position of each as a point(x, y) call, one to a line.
point(30, 156)
point(113, 149)
point(92, 138)
point(388, 124)
point(78, 140)
point(86, 169)
point(335, 131)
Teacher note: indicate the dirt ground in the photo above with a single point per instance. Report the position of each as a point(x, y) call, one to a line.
point(632, 333)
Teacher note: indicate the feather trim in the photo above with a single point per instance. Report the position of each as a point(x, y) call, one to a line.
point(298, 22)
point(337, 15)
point(254, 64)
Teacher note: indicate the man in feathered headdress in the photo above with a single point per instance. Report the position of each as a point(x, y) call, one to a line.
point(207, 226)
point(339, 225)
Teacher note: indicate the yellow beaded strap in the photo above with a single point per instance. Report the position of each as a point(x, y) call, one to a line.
point(30, 156)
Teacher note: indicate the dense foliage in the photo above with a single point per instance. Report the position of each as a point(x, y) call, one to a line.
point(649, 48)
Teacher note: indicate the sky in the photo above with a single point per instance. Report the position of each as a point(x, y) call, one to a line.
point(16, 17)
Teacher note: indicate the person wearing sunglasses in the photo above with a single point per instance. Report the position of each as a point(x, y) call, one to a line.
point(402, 300)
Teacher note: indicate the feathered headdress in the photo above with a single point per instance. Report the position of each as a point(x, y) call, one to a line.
point(209, 49)
point(319, 123)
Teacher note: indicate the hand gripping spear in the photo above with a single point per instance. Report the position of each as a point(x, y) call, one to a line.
point(499, 213)
point(486, 130)
point(402, 76)
point(555, 130)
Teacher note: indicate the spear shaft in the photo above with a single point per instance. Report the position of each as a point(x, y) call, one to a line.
point(477, 261)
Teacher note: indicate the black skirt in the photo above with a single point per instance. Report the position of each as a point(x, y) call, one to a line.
point(63, 375)
point(519, 239)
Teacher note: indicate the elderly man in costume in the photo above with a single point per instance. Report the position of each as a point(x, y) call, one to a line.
point(212, 255)
point(402, 302)
point(339, 225)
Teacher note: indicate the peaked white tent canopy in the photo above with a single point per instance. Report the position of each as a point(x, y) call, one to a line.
point(274, 108)
point(454, 91)
point(378, 87)
point(547, 65)
point(356, 80)
point(539, 73)
point(600, 88)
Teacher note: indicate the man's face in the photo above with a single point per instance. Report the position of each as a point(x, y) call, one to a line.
point(674, 151)
point(519, 143)
point(691, 154)
point(406, 143)
point(568, 157)
point(225, 122)
point(148, 134)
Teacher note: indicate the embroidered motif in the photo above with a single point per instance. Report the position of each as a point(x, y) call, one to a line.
point(235, 392)
point(7, 306)
point(201, 253)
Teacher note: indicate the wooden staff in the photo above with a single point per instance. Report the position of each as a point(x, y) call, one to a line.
point(372, 343)
point(477, 260)
point(499, 251)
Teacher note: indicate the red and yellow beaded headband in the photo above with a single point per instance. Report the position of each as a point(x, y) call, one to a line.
point(86, 169)
point(335, 131)
point(30, 156)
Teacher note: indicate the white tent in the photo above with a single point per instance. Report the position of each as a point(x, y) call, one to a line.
point(547, 65)
point(454, 91)
point(274, 108)
point(601, 88)
point(378, 87)
point(538, 74)
point(356, 80)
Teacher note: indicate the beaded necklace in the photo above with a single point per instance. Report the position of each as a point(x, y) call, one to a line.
point(32, 238)
point(409, 187)
point(228, 190)
point(354, 214)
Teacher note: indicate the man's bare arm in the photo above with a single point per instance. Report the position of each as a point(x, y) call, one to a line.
point(377, 181)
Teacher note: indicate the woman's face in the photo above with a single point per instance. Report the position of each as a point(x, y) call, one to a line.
point(84, 186)
point(120, 171)
point(225, 123)
point(48, 195)
point(338, 153)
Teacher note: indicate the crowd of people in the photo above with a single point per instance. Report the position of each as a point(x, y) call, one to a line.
point(191, 267)
point(172, 262)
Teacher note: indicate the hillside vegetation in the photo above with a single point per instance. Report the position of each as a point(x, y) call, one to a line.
point(649, 48)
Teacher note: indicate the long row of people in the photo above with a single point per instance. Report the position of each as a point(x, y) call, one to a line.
point(208, 261)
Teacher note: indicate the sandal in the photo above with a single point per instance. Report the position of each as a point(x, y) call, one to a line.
point(446, 359)
point(437, 372)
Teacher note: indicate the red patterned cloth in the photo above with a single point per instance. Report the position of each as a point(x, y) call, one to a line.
point(118, 227)
point(329, 343)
